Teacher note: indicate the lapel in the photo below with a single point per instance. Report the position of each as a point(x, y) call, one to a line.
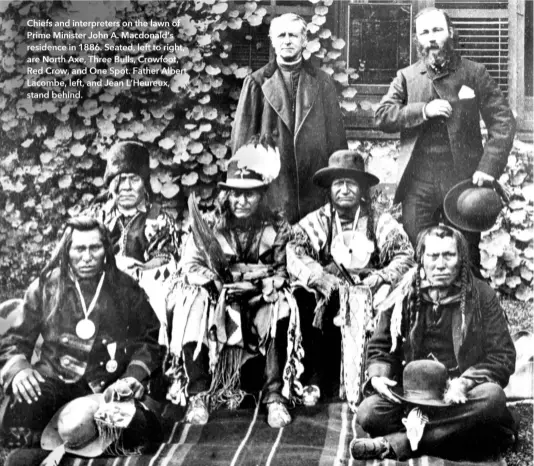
point(421, 88)
point(447, 85)
point(307, 92)
point(275, 92)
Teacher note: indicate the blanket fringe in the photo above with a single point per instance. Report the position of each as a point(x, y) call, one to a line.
point(226, 380)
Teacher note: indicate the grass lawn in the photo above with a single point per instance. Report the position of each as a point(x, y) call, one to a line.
point(520, 316)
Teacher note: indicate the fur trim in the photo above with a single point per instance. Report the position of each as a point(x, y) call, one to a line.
point(128, 157)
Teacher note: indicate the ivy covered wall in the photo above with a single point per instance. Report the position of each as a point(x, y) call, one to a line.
point(52, 151)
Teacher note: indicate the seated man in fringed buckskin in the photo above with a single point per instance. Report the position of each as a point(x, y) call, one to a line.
point(98, 331)
point(347, 240)
point(233, 302)
point(144, 236)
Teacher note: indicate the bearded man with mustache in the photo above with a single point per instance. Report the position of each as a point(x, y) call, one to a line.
point(436, 106)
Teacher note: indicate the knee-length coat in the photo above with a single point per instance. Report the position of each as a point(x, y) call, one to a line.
point(306, 135)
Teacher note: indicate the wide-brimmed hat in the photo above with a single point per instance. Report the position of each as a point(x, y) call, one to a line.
point(424, 383)
point(472, 208)
point(77, 427)
point(254, 165)
point(74, 427)
point(128, 157)
point(344, 164)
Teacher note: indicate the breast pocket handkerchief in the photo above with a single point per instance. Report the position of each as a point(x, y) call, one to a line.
point(466, 93)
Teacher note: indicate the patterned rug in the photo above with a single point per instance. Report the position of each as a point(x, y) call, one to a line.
point(317, 436)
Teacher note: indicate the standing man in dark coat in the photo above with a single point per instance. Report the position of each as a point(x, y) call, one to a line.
point(436, 105)
point(298, 102)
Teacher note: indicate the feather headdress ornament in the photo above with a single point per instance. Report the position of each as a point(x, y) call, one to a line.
point(254, 165)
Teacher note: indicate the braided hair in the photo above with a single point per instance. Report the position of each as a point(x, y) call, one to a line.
point(464, 271)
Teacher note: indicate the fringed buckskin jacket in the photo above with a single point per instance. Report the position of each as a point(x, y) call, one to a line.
point(126, 331)
point(484, 351)
point(201, 314)
point(309, 250)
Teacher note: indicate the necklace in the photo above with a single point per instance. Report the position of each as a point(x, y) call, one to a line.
point(85, 328)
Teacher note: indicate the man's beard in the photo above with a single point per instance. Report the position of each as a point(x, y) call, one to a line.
point(437, 57)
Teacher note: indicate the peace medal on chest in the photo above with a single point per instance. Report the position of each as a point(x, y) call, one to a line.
point(85, 328)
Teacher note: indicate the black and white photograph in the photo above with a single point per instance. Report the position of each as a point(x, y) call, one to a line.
point(266, 232)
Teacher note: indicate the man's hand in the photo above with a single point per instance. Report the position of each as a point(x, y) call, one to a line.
point(480, 177)
point(373, 281)
point(381, 385)
point(438, 108)
point(457, 391)
point(325, 283)
point(26, 385)
point(124, 389)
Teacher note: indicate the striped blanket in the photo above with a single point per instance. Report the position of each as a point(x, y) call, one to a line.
point(317, 436)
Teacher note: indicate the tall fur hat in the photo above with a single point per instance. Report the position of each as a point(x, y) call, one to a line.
point(128, 157)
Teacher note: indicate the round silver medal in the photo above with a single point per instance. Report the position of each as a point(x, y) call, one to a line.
point(111, 365)
point(85, 329)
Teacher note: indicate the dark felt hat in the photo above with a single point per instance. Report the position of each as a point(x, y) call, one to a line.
point(472, 208)
point(344, 164)
point(128, 157)
point(424, 383)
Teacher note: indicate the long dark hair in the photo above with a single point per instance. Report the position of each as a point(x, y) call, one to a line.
point(465, 273)
point(60, 258)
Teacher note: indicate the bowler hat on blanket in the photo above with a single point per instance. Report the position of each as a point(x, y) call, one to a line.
point(344, 164)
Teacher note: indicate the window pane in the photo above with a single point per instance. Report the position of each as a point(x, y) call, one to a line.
point(250, 46)
point(379, 40)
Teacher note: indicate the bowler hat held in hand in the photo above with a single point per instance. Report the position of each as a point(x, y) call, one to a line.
point(473, 208)
point(424, 383)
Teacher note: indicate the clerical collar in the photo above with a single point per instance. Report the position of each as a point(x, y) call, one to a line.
point(289, 65)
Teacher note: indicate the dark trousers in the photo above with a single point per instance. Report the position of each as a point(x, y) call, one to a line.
point(322, 347)
point(272, 364)
point(35, 416)
point(422, 205)
point(483, 422)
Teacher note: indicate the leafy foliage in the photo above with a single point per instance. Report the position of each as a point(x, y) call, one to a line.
point(507, 250)
point(53, 150)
